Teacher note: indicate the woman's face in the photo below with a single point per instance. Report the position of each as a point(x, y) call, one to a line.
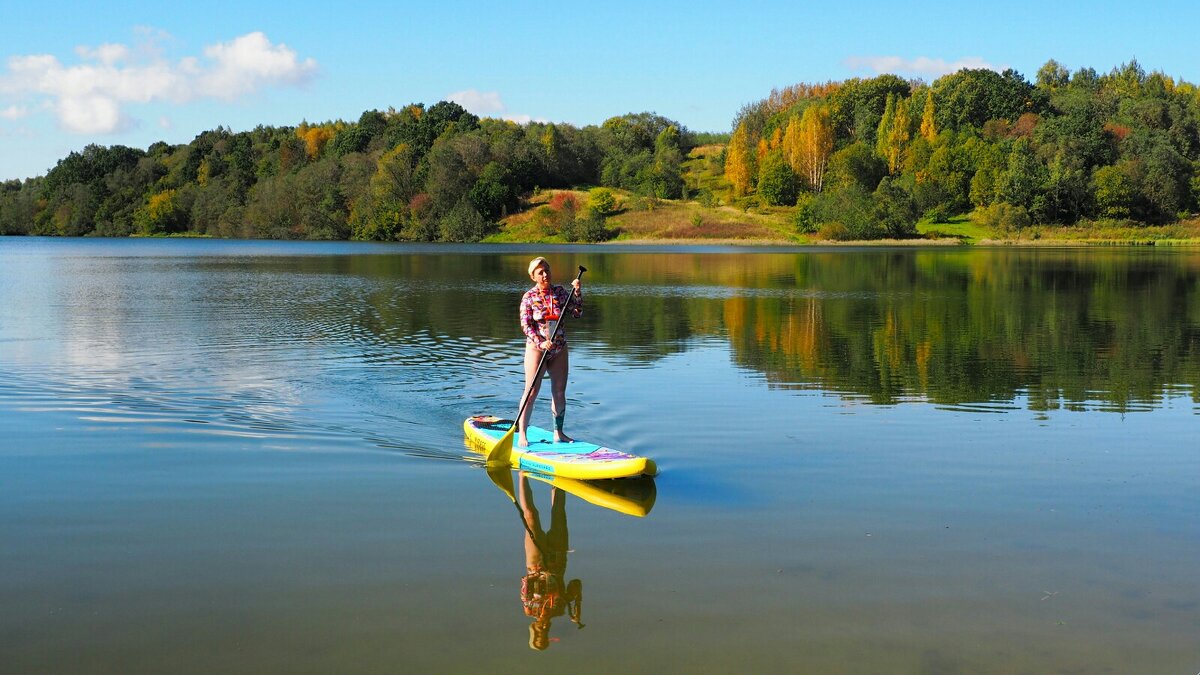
point(541, 275)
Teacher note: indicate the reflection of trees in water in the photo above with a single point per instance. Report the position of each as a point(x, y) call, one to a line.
point(1075, 326)
point(954, 326)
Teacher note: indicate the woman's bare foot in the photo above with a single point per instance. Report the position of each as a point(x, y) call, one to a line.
point(560, 437)
point(522, 441)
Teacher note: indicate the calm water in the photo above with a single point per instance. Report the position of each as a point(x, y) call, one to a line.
point(248, 457)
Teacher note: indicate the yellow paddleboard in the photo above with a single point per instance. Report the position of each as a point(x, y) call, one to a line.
point(581, 460)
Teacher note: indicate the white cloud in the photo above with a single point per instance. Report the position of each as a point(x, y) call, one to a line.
point(251, 62)
point(90, 97)
point(487, 104)
point(14, 112)
point(91, 114)
point(922, 65)
point(482, 103)
point(108, 54)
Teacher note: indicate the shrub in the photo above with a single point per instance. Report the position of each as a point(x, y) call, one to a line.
point(834, 231)
point(564, 200)
point(805, 218)
point(591, 226)
point(777, 183)
point(852, 207)
point(602, 201)
point(1001, 217)
point(545, 218)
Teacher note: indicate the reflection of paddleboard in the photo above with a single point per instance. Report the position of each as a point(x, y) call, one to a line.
point(570, 460)
point(631, 496)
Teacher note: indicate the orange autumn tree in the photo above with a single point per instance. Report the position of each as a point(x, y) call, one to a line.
point(315, 137)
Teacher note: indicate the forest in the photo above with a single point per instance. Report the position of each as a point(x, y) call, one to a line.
point(851, 160)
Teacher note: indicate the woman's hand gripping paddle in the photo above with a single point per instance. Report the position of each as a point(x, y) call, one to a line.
point(500, 454)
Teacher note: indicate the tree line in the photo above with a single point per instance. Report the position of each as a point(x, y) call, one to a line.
point(855, 159)
point(866, 158)
point(414, 174)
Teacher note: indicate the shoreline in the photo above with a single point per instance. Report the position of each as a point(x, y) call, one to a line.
point(943, 242)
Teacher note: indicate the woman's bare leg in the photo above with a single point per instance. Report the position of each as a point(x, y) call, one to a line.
point(559, 369)
point(533, 526)
point(533, 357)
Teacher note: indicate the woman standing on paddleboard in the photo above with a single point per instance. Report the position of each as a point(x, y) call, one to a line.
point(541, 309)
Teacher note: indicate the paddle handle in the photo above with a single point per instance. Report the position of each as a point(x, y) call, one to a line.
point(542, 361)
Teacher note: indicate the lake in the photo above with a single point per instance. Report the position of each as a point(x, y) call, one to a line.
point(228, 456)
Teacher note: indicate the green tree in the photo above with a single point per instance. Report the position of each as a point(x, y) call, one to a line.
point(1022, 180)
point(463, 223)
point(895, 212)
point(971, 97)
point(857, 106)
point(855, 164)
point(493, 193)
point(383, 210)
point(163, 212)
point(777, 183)
point(18, 205)
point(1052, 76)
point(1166, 182)
point(1115, 192)
point(448, 179)
point(667, 180)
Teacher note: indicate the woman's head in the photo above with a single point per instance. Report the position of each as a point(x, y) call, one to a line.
point(544, 597)
point(539, 270)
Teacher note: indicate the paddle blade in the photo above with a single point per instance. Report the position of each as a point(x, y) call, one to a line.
point(500, 454)
point(501, 477)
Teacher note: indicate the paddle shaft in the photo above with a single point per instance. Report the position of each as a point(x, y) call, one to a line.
point(542, 361)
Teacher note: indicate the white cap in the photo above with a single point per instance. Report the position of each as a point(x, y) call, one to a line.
point(533, 264)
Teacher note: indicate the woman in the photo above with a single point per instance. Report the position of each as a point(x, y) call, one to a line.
point(541, 310)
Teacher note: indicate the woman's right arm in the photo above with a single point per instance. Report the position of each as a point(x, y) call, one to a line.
point(528, 325)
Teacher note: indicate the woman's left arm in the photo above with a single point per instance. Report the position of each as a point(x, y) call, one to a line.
point(576, 305)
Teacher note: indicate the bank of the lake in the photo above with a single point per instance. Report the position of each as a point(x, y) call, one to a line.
point(635, 220)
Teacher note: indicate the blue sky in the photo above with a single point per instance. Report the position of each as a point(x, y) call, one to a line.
point(134, 73)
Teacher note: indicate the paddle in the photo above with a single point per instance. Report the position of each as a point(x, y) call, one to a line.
point(501, 452)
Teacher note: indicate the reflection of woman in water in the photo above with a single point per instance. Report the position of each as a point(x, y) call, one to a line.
point(542, 592)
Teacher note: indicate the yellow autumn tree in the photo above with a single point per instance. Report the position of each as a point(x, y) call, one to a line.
point(316, 136)
point(739, 161)
point(894, 132)
point(763, 148)
point(791, 143)
point(928, 128)
point(814, 145)
point(776, 138)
